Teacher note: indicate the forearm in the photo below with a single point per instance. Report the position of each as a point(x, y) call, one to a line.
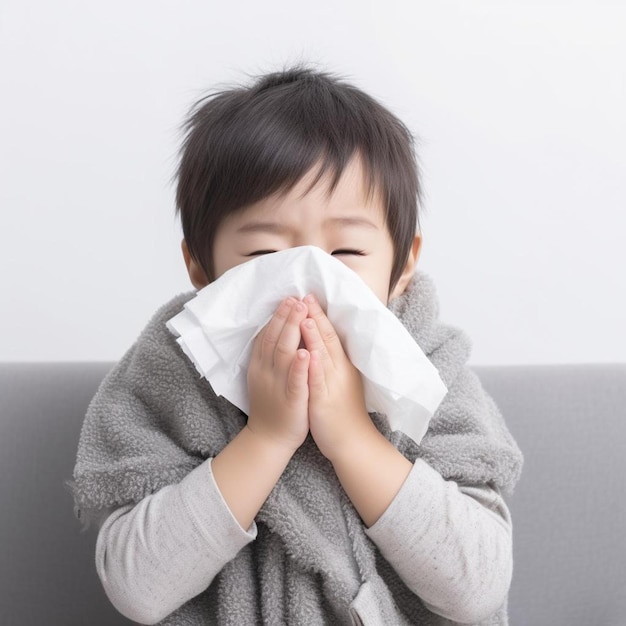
point(246, 471)
point(154, 556)
point(372, 472)
point(450, 545)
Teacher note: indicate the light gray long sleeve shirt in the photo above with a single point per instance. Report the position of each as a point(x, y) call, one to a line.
point(449, 543)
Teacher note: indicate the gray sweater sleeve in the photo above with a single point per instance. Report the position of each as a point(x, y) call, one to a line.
point(451, 545)
point(158, 554)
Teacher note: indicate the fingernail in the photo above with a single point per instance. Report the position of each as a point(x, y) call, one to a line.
point(309, 323)
point(310, 299)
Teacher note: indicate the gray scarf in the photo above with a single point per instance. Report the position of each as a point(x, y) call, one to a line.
point(153, 420)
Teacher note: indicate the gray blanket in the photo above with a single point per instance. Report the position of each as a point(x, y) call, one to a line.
point(153, 420)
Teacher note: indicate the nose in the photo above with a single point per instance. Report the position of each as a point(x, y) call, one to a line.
point(308, 238)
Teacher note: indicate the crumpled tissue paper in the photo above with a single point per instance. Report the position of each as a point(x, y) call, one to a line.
point(216, 330)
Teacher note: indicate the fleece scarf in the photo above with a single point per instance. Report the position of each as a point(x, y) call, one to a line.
point(153, 420)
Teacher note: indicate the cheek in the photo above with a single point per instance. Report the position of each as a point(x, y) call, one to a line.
point(381, 274)
point(377, 277)
point(221, 266)
point(224, 257)
point(382, 290)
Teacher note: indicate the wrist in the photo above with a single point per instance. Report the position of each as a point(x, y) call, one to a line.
point(359, 444)
point(371, 471)
point(246, 470)
point(267, 443)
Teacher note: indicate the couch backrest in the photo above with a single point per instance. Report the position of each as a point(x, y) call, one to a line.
point(568, 509)
point(47, 571)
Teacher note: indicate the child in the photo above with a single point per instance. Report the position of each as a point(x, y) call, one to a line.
point(308, 510)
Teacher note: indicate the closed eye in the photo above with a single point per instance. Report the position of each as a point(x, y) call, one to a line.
point(348, 251)
point(259, 252)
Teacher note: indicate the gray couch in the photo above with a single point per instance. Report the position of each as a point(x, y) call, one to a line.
point(568, 510)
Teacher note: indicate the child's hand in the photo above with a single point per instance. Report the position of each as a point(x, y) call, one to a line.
point(337, 412)
point(278, 378)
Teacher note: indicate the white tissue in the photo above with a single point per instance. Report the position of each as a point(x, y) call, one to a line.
point(216, 330)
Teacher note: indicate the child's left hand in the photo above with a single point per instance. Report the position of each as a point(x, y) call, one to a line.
point(337, 412)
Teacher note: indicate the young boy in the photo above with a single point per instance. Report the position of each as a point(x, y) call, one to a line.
point(308, 510)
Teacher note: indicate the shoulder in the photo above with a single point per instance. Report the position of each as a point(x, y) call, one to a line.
point(156, 331)
point(168, 310)
point(467, 438)
point(155, 353)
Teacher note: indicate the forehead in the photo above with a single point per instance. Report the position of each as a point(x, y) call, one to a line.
point(344, 198)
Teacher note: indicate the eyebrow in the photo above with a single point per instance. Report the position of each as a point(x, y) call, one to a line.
point(278, 228)
point(353, 221)
point(262, 227)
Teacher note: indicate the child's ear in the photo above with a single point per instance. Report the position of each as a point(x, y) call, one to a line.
point(409, 268)
point(197, 275)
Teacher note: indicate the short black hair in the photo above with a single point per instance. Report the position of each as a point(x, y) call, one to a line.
point(246, 143)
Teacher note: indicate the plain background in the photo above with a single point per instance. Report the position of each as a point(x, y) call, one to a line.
point(518, 108)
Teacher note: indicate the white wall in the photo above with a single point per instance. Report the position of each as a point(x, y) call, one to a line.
point(519, 107)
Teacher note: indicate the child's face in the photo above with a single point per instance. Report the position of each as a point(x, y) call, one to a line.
point(345, 224)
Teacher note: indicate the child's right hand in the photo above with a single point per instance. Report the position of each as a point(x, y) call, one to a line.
point(278, 378)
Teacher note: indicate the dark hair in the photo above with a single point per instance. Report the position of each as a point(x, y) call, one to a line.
point(244, 144)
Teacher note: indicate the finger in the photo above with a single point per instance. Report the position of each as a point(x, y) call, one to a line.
point(297, 380)
point(317, 378)
point(313, 339)
point(271, 332)
point(326, 329)
point(290, 336)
